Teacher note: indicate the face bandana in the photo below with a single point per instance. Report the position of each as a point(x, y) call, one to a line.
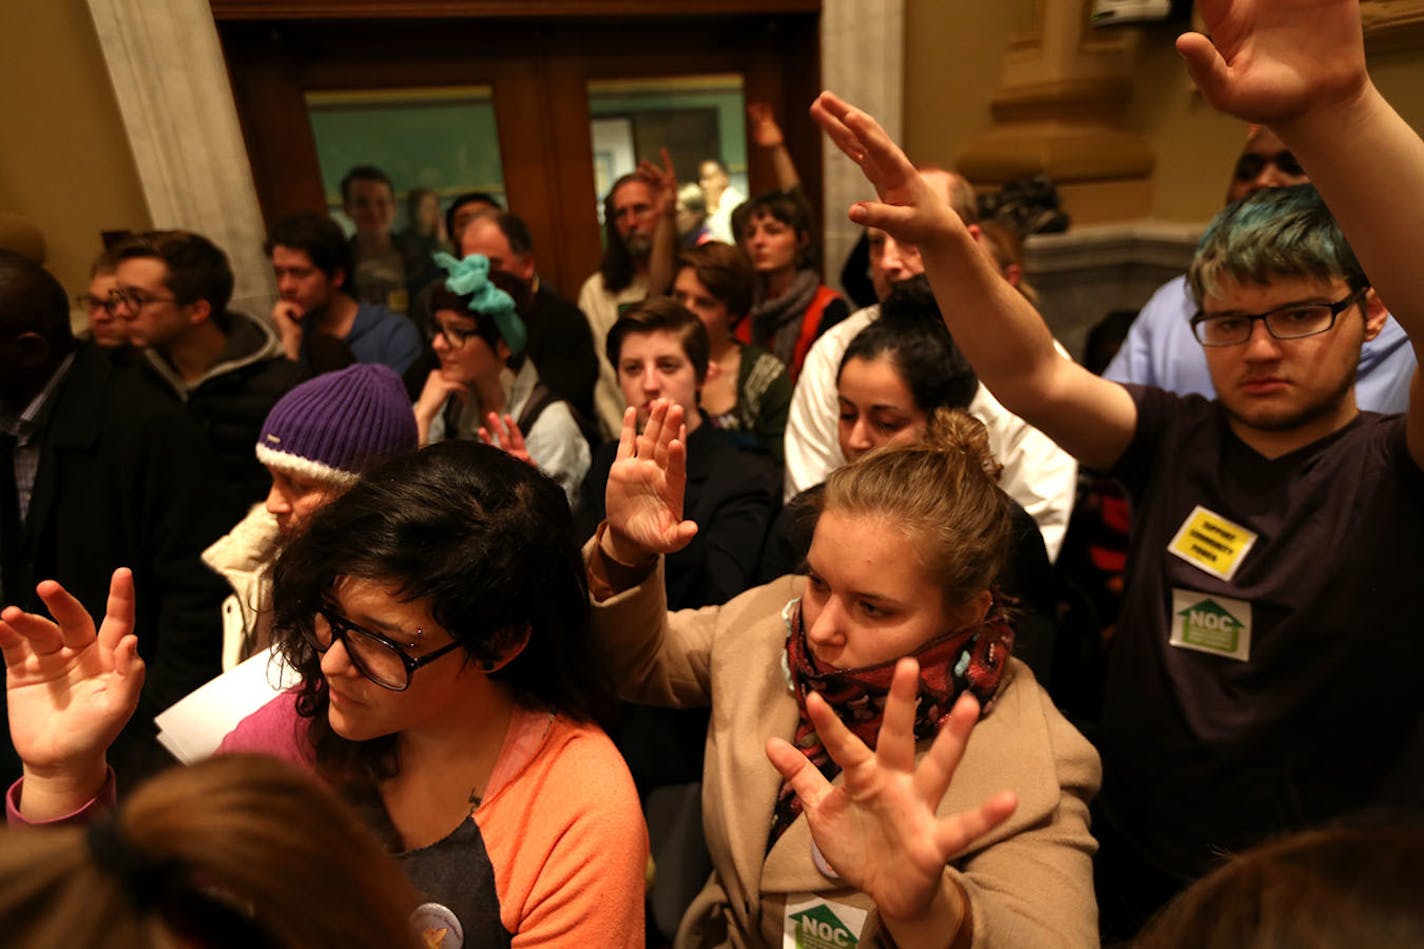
point(971, 658)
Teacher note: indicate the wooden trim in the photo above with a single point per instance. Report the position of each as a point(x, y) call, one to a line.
point(428, 9)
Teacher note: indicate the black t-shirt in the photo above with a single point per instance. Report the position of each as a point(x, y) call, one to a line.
point(1204, 753)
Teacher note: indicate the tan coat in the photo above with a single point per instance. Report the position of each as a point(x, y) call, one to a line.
point(1029, 882)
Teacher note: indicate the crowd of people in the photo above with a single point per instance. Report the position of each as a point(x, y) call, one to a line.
point(707, 536)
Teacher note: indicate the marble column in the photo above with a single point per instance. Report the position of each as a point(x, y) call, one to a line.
point(169, 77)
point(862, 60)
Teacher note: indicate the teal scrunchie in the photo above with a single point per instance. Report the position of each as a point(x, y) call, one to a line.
point(470, 278)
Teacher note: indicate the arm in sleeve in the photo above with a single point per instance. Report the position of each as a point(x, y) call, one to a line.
point(578, 877)
point(657, 657)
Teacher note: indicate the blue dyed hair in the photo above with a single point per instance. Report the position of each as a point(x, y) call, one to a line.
point(1271, 233)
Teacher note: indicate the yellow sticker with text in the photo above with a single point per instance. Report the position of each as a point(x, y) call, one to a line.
point(1210, 542)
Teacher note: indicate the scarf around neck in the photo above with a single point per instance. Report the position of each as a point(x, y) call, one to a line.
point(968, 659)
point(776, 324)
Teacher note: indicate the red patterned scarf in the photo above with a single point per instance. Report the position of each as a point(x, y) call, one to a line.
point(971, 658)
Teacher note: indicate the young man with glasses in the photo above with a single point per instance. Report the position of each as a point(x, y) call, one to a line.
point(226, 367)
point(105, 328)
point(1264, 674)
point(1160, 351)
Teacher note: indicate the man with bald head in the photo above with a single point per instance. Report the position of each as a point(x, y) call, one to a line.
point(560, 343)
point(1037, 473)
point(1160, 350)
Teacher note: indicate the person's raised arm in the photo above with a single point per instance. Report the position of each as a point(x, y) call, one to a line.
point(69, 692)
point(1298, 66)
point(1004, 337)
point(663, 184)
point(766, 133)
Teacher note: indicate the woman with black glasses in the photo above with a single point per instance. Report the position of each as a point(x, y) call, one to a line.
point(438, 615)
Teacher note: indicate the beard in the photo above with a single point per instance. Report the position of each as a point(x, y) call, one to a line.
point(638, 245)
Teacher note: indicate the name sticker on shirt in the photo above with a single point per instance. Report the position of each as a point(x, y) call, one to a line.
point(1210, 542)
point(817, 923)
point(1210, 623)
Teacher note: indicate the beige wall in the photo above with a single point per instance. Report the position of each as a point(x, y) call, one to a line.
point(64, 162)
point(954, 56)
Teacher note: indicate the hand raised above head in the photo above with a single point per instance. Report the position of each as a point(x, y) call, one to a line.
point(765, 131)
point(662, 181)
point(880, 829)
point(643, 503)
point(1269, 61)
point(70, 690)
point(909, 209)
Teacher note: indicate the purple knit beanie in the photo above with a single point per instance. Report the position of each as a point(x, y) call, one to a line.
point(338, 425)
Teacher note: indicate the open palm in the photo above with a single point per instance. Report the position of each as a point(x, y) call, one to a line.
point(1269, 60)
point(69, 690)
point(880, 830)
point(643, 503)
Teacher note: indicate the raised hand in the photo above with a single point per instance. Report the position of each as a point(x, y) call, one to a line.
point(765, 132)
point(505, 435)
point(643, 503)
point(661, 181)
point(1268, 61)
point(909, 209)
point(69, 690)
point(880, 830)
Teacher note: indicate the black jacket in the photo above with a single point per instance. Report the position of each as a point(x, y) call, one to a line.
point(233, 400)
point(126, 480)
point(732, 496)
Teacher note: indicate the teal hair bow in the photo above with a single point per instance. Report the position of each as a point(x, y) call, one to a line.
point(470, 278)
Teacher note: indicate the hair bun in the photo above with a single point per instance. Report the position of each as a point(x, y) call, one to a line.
point(952, 430)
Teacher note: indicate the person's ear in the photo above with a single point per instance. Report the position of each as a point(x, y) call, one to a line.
point(976, 232)
point(972, 610)
point(714, 371)
point(1376, 314)
point(502, 350)
point(508, 652)
point(1013, 273)
point(338, 278)
point(198, 311)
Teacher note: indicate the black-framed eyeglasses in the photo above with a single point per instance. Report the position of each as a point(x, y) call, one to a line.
point(1291, 321)
point(454, 336)
point(1250, 165)
point(378, 658)
point(135, 299)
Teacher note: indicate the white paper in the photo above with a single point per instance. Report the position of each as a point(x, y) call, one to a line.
point(196, 724)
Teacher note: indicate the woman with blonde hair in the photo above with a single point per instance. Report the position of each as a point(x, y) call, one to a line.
point(235, 851)
point(842, 795)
